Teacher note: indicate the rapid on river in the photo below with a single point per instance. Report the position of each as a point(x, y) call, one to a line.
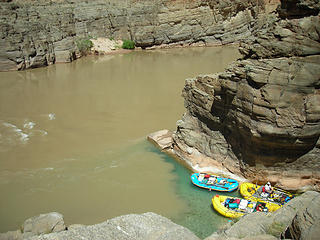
point(73, 138)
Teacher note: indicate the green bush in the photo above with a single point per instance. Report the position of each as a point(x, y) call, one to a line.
point(84, 45)
point(128, 44)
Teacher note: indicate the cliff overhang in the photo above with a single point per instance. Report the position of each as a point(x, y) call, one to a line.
point(260, 118)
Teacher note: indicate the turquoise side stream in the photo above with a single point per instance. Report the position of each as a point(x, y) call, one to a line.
point(200, 216)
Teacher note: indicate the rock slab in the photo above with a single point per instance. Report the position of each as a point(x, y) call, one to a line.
point(128, 227)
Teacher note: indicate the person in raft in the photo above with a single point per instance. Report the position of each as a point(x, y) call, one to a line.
point(267, 188)
point(222, 181)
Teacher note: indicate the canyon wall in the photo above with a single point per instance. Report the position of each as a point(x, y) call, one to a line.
point(39, 33)
point(261, 116)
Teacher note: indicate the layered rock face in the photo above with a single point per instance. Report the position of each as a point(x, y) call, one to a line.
point(261, 117)
point(39, 33)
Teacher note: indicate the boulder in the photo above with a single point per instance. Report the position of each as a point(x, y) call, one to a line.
point(306, 223)
point(11, 235)
point(128, 227)
point(146, 226)
point(43, 224)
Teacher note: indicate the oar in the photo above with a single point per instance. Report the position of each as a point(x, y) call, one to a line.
point(283, 191)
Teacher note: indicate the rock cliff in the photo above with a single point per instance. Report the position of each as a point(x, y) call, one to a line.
point(260, 118)
point(39, 33)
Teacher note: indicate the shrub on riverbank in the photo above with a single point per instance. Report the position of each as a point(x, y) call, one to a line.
point(128, 44)
point(84, 45)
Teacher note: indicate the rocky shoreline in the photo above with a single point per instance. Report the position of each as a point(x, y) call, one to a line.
point(191, 157)
point(298, 219)
point(132, 226)
point(40, 33)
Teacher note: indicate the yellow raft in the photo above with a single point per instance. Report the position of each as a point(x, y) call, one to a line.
point(254, 192)
point(242, 207)
point(217, 202)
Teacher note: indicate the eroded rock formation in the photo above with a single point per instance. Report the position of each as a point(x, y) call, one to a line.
point(261, 117)
point(39, 33)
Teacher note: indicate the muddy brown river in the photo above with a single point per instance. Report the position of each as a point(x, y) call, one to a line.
point(73, 136)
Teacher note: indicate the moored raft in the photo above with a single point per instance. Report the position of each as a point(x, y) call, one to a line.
point(213, 182)
point(255, 192)
point(233, 207)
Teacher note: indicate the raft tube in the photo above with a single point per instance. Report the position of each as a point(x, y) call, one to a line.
point(213, 182)
point(240, 207)
point(254, 192)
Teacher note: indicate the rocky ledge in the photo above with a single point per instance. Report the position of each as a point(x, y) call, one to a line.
point(298, 219)
point(191, 158)
point(128, 227)
point(260, 118)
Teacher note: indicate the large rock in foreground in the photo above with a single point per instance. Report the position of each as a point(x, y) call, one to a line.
point(44, 224)
point(37, 225)
point(128, 227)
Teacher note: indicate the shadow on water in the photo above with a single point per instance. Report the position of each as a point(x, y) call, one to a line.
point(199, 216)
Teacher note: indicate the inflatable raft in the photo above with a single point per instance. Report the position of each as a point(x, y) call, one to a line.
point(233, 207)
point(255, 192)
point(212, 182)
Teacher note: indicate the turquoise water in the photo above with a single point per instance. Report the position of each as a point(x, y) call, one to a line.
point(199, 216)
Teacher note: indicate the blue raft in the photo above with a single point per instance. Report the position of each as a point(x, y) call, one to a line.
point(212, 182)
